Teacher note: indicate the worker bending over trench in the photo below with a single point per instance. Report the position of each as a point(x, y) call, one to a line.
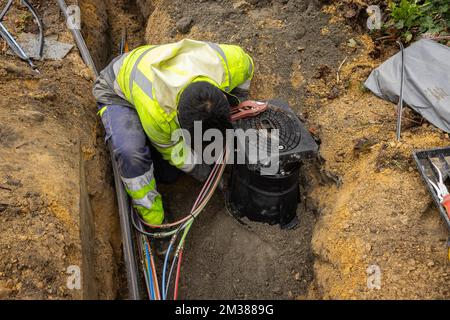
point(150, 92)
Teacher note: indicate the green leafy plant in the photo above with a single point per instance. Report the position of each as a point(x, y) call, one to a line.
point(413, 17)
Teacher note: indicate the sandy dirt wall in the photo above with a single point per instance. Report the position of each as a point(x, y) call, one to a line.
point(380, 213)
point(55, 196)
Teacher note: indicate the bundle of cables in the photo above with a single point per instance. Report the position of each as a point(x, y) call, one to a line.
point(173, 230)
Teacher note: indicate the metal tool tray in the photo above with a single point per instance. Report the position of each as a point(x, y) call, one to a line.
point(440, 157)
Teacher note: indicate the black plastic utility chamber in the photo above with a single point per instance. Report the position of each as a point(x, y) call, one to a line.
point(258, 191)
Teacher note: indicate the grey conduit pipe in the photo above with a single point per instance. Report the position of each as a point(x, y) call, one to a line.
point(125, 209)
point(81, 44)
point(125, 212)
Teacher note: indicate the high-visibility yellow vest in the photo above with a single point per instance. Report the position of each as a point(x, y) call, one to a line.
point(152, 77)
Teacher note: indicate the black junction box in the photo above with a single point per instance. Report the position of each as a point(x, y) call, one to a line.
point(270, 196)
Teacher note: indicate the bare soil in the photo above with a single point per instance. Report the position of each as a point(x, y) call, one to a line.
point(374, 208)
point(57, 202)
point(381, 213)
point(225, 259)
point(364, 203)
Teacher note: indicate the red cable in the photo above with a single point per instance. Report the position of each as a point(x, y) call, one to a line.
point(175, 293)
point(202, 191)
point(155, 276)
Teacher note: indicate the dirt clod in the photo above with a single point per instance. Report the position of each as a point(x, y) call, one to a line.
point(184, 24)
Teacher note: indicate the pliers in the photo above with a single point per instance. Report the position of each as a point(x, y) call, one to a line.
point(441, 190)
point(247, 109)
point(4, 33)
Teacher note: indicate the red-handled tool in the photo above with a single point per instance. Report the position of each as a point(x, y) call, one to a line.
point(247, 109)
point(441, 191)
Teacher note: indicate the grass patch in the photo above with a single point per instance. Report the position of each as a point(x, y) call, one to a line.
point(412, 17)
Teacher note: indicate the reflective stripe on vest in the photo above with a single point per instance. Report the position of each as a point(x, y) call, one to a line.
point(219, 50)
point(165, 145)
point(116, 68)
point(118, 63)
point(141, 80)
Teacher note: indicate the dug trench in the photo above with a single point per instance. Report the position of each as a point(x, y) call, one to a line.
point(58, 210)
point(56, 179)
point(223, 258)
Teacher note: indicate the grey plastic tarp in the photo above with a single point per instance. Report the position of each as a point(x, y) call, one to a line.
point(427, 81)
